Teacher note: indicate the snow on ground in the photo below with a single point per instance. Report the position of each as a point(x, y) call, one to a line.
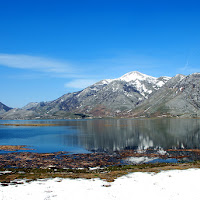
point(166, 185)
point(139, 160)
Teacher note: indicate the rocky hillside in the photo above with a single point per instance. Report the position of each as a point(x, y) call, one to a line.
point(132, 95)
point(4, 108)
point(180, 96)
point(109, 97)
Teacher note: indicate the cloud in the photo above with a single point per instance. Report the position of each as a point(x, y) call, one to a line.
point(36, 63)
point(48, 68)
point(80, 73)
point(188, 70)
point(80, 83)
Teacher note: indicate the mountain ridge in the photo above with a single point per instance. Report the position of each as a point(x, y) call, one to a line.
point(180, 96)
point(132, 95)
point(108, 97)
point(4, 108)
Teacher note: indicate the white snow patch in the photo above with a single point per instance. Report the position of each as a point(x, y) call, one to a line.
point(118, 111)
point(166, 185)
point(5, 172)
point(166, 78)
point(181, 76)
point(162, 152)
point(181, 89)
point(132, 76)
point(160, 83)
point(106, 81)
point(139, 160)
point(94, 168)
point(128, 94)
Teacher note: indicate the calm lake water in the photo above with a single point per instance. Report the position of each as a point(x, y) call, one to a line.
point(83, 136)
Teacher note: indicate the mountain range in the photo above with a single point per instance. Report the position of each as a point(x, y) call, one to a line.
point(132, 95)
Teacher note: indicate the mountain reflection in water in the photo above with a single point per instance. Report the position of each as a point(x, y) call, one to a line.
point(119, 134)
point(77, 136)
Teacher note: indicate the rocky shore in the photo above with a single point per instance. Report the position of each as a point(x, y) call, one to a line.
point(62, 160)
point(31, 166)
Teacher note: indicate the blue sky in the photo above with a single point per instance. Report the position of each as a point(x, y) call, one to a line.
point(52, 47)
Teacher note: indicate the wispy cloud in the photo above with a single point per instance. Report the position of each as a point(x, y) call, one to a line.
point(35, 63)
point(47, 67)
point(80, 83)
point(82, 73)
point(188, 70)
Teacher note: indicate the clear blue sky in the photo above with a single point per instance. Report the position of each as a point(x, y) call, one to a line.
point(52, 47)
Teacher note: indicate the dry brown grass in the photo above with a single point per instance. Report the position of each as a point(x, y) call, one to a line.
point(30, 124)
point(13, 147)
point(109, 174)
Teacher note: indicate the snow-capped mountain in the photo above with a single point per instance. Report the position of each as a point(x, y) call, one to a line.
point(144, 83)
point(141, 82)
point(180, 96)
point(108, 97)
point(131, 95)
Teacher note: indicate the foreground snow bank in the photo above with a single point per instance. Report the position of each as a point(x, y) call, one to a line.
point(173, 185)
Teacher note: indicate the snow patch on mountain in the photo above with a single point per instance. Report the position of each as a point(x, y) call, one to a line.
point(181, 77)
point(133, 76)
point(142, 83)
point(138, 78)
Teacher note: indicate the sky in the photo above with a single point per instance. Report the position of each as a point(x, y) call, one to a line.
point(52, 47)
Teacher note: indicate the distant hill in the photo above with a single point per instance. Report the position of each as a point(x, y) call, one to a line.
point(107, 98)
point(132, 95)
point(4, 108)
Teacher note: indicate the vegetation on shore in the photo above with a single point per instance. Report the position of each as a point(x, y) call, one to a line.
point(15, 166)
point(108, 173)
point(13, 147)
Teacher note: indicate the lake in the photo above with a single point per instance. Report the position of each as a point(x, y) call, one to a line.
point(102, 135)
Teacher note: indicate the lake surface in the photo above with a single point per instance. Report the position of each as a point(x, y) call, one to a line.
point(102, 135)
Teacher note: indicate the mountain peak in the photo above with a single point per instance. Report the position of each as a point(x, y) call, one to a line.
point(135, 75)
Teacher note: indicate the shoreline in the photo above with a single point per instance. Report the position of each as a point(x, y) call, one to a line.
point(20, 156)
point(109, 174)
point(173, 184)
point(107, 166)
